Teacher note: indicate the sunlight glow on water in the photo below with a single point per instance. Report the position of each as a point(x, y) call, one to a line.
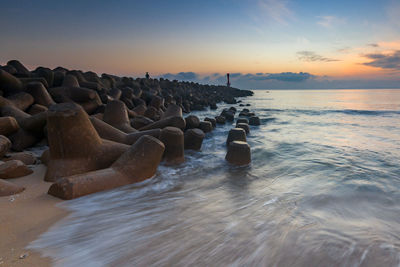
point(323, 190)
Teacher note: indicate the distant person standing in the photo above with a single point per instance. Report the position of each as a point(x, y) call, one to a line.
point(147, 76)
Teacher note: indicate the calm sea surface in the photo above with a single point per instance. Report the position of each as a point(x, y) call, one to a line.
point(323, 189)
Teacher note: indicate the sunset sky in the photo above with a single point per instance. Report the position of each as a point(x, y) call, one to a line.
point(263, 43)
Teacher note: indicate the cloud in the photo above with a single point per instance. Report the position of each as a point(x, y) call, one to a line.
point(384, 61)
point(278, 10)
point(330, 21)
point(289, 76)
point(373, 45)
point(182, 76)
point(290, 80)
point(346, 49)
point(311, 56)
point(241, 78)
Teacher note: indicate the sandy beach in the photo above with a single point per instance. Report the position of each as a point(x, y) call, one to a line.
point(24, 217)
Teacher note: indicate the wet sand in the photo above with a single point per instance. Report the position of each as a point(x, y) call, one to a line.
point(24, 217)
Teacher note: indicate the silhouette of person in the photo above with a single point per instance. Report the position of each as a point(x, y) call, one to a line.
point(147, 75)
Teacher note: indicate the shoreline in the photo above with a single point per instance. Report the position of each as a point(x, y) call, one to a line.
point(26, 216)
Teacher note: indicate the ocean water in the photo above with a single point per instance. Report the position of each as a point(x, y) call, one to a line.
point(323, 189)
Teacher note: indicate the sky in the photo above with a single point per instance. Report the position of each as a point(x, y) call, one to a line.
point(264, 44)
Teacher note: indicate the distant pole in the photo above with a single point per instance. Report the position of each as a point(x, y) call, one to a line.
point(228, 82)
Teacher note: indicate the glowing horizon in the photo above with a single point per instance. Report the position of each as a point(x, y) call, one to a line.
point(335, 41)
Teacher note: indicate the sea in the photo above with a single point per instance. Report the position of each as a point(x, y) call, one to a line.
point(323, 189)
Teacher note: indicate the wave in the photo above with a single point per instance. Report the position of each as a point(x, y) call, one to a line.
point(340, 111)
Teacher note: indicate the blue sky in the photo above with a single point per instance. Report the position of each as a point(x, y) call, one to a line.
point(329, 40)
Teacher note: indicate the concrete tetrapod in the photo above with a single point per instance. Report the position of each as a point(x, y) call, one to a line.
point(236, 134)
point(192, 122)
point(8, 125)
point(238, 153)
point(10, 84)
point(177, 122)
point(111, 133)
point(139, 163)
point(244, 126)
point(194, 139)
point(242, 120)
point(26, 157)
point(75, 146)
point(8, 189)
point(40, 94)
point(173, 110)
point(212, 120)
point(5, 145)
point(36, 109)
point(220, 119)
point(206, 126)
point(21, 100)
point(140, 121)
point(32, 123)
point(116, 115)
point(13, 169)
point(173, 140)
point(255, 121)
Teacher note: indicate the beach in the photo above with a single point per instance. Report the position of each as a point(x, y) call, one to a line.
point(24, 217)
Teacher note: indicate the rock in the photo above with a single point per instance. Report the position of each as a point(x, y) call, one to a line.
point(220, 119)
point(244, 126)
point(238, 153)
point(192, 122)
point(75, 146)
point(194, 139)
point(116, 115)
point(13, 169)
point(255, 121)
point(7, 188)
point(236, 134)
point(137, 164)
point(8, 125)
point(206, 126)
point(212, 120)
point(173, 140)
point(5, 145)
point(26, 157)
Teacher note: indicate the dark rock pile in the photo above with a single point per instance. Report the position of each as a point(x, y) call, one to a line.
point(102, 131)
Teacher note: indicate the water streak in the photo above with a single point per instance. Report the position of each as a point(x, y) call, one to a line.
point(322, 190)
